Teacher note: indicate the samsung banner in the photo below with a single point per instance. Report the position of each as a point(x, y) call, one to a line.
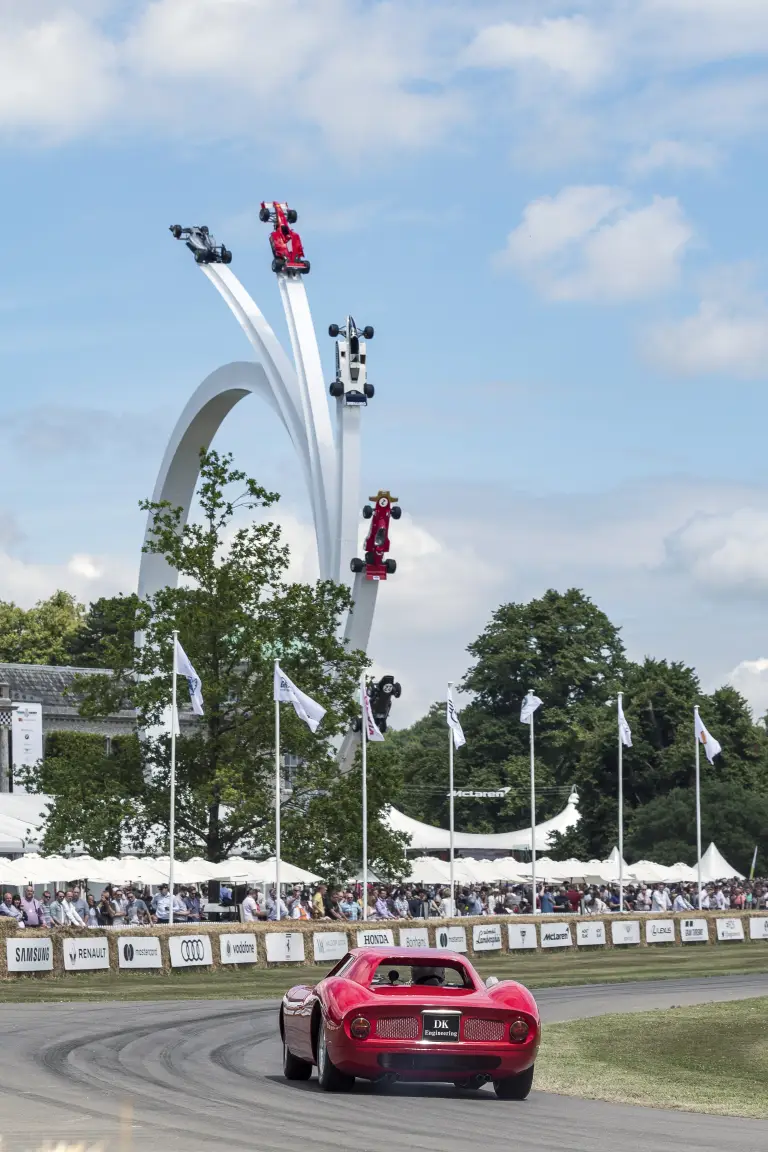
point(414, 938)
point(758, 927)
point(375, 936)
point(84, 955)
point(625, 931)
point(26, 735)
point(285, 947)
point(694, 931)
point(139, 952)
point(452, 938)
point(729, 929)
point(521, 936)
point(486, 937)
point(659, 931)
point(591, 933)
point(238, 947)
point(556, 936)
point(330, 945)
point(190, 951)
point(31, 955)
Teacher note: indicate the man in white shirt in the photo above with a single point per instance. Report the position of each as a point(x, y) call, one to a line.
point(660, 901)
point(720, 901)
point(251, 907)
point(680, 904)
point(71, 914)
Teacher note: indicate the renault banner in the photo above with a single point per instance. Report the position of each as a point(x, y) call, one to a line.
point(83, 955)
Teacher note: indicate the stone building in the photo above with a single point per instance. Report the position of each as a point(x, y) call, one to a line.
point(53, 687)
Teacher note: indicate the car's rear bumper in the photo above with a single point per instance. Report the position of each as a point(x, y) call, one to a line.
point(423, 1060)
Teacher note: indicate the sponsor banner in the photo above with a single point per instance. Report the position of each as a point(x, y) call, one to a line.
point(83, 955)
point(285, 947)
point(692, 931)
point(556, 936)
point(591, 933)
point(486, 937)
point(414, 938)
point(32, 955)
point(659, 931)
point(139, 952)
point(521, 936)
point(238, 947)
point(625, 931)
point(729, 929)
point(454, 939)
point(370, 936)
point(189, 951)
point(330, 945)
point(27, 735)
point(758, 927)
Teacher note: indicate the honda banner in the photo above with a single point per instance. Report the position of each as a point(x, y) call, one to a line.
point(486, 937)
point(625, 932)
point(330, 945)
point(591, 933)
point(375, 936)
point(728, 929)
point(83, 955)
point(285, 946)
point(556, 936)
point(659, 931)
point(190, 951)
point(30, 955)
point(414, 938)
point(521, 936)
point(238, 947)
point(452, 938)
point(139, 952)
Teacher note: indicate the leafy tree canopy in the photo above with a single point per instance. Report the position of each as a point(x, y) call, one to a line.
point(60, 630)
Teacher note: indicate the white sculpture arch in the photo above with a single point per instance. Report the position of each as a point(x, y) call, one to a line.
point(297, 395)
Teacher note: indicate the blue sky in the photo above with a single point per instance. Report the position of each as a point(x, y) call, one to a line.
point(551, 212)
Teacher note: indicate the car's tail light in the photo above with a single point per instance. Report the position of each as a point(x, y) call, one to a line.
point(518, 1031)
point(360, 1028)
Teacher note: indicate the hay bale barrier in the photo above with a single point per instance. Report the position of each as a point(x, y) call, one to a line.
point(157, 951)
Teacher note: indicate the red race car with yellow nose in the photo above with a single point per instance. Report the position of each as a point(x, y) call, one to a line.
point(387, 1014)
point(376, 565)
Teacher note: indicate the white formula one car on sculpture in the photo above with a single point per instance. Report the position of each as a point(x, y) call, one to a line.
point(200, 241)
point(351, 381)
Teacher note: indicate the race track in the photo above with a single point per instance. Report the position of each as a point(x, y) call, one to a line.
point(194, 1076)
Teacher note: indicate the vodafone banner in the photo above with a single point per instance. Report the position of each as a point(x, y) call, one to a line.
point(758, 927)
point(593, 933)
point(486, 937)
point(285, 947)
point(659, 931)
point(238, 947)
point(452, 938)
point(31, 955)
point(330, 945)
point(414, 938)
point(556, 936)
point(625, 931)
point(521, 936)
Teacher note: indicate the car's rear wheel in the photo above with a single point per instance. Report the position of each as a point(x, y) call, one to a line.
point(336, 389)
point(305, 268)
point(264, 215)
point(367, 511)
point(514, 1087)
point(396, 511)
point(356, 565)
point(199, 257)
point(176, 230)
point(278, 265)
point(368, 333)
point(328, 1075)
point(391, 567)
point(291, 215)
point(293, 1068)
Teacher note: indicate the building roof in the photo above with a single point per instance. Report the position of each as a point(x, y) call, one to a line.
point(45, 684)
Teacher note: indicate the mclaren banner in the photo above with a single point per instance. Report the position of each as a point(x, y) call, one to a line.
point(189, 951)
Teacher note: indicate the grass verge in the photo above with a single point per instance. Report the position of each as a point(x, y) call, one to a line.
point(540, 970)
point(711, 1058)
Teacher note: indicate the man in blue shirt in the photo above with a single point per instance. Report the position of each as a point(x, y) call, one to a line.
point(349, 907)
point(547, 901)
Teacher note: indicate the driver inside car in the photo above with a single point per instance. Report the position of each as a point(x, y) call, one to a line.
point(423, 974)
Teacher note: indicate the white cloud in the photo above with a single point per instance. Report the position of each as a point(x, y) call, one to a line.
point(569, 46)
point(88, 577)
point(750, 677)
point(728, 334)
point(586, 243)
point(677, 155)
point(724, 552)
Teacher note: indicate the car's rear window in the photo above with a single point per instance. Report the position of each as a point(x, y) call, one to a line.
point(396, 975)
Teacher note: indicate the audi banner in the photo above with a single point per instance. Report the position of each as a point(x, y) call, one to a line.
point(139, 952)
point(188, 951)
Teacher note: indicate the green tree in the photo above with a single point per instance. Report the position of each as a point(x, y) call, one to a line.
point(43, 634)
point(107, 636)
point(235, 613)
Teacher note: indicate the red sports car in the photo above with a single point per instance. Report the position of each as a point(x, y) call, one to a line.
point(422, 1014)
point(287, 249)
point(385, 507)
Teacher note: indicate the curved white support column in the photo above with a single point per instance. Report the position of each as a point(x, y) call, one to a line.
point(357, 633)
point(348, 487)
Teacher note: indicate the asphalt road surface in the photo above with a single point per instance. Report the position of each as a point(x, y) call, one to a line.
point(197, 1076)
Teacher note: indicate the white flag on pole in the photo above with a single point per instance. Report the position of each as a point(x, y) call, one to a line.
point(530, 704)
point(624, 729)
point(371, 728)
point(305, 707)
point(454, 723)
point(184, 668)
point(711, 746)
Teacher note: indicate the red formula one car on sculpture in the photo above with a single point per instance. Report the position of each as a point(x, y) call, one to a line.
point(287, 249)
point(384, 508)
point(387, 1014)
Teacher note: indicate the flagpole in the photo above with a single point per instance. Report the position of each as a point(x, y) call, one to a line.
point(172, 823)
point(621, 807)
point(450, 805)
point(754, 862)
point(533, 818)
point(698, 803)
point(365, 793)
point(277, 803)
